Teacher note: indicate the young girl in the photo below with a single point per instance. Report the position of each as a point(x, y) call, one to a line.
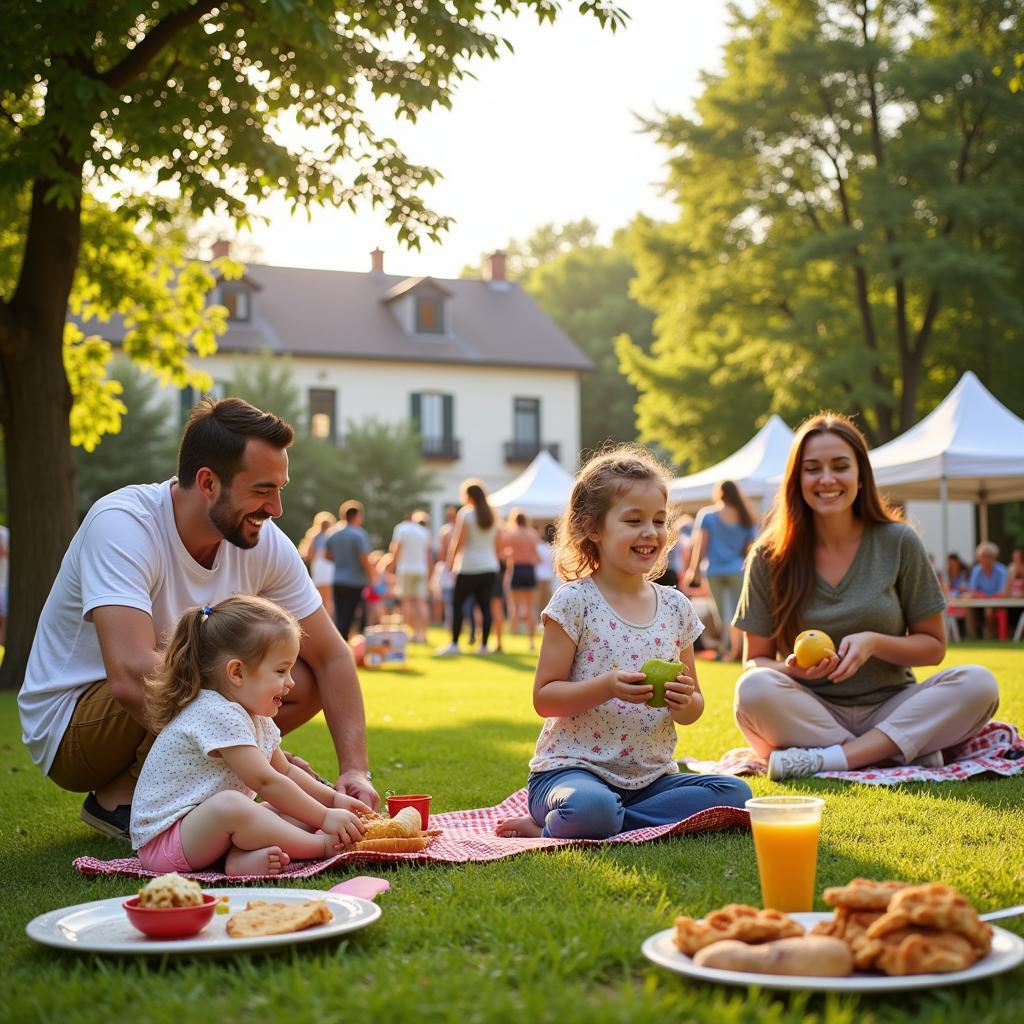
point(212, 704)
point(603, 762)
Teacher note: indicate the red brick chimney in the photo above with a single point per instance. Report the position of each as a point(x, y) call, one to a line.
point(222, 249)
point(377, 261)
point(494, 268)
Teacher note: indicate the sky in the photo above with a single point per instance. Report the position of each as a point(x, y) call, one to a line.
point(547, 134)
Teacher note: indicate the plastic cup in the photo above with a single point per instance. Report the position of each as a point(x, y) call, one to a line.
point(420, 801)
point(786, 830)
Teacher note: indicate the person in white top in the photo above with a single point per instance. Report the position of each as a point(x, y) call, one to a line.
point(5, 550)
point(225, 675)
point(313, 549)
point(473, 557)
point(410, 548)
point(604, 761)
point(141, 557)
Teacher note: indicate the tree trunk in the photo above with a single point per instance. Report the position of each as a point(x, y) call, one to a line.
point(36, 408)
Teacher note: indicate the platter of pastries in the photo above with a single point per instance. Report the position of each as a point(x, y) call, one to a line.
point(879, 936)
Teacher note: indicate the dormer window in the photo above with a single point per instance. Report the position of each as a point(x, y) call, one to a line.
point(237, 300)
point(429, 314)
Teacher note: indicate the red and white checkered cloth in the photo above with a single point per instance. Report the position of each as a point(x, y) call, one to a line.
point(467, 836)
point(998, 748)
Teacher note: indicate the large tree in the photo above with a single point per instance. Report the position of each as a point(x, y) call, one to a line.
point(186, 97)
point(851, 189)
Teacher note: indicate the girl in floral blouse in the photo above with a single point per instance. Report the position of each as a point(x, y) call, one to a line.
point(603, 763)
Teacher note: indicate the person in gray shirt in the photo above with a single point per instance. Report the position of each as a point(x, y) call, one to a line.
point(835, 558)
point(348, 548)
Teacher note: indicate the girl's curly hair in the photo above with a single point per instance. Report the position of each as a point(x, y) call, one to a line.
point(598, 484)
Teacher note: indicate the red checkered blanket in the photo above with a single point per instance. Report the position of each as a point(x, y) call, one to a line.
point(998, 748)
point(467, 836)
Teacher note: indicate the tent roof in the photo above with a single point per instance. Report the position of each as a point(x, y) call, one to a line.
point(762, 458)
point(970, 438)
point(542, 489)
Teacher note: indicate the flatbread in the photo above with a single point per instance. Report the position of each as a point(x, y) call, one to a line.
point(261, 918)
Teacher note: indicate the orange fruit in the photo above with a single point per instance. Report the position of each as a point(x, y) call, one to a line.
point(811, 646)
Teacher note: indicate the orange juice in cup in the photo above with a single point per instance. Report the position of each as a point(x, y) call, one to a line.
point(786, 842)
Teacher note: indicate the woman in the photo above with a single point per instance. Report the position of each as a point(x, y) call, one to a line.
point(521, 543)
point(722, 534)
point(1015, 584)
point(312, 548)
point(834, 557)
point(473, 556)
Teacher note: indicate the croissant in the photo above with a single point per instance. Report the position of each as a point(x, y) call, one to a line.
point(400, 834)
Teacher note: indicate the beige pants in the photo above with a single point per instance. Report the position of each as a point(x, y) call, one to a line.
point(101, 742)
point(774, 711)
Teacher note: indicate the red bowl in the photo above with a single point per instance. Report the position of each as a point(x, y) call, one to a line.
point(170, 922)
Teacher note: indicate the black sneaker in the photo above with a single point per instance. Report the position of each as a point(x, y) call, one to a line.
point(113, 823)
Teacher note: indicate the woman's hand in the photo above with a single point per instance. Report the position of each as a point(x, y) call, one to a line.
point(853, 652)
point(628, 686)
point(824, 668)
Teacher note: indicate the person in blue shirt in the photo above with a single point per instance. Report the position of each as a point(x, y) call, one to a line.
point(722, 535)
point(987, 579)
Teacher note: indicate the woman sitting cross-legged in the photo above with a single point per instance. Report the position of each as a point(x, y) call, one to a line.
point(834, 558)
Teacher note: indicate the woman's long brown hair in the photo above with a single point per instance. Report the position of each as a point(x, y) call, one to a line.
point(788, 539)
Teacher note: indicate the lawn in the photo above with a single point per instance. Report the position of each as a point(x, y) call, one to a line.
point(545, 937)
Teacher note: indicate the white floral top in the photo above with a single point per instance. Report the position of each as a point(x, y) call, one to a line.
point(626, 745)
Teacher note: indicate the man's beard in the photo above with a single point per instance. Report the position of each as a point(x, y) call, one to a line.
point(224, 515)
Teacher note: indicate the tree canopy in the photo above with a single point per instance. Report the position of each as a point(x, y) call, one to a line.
point(851, 193)
point(124, 109)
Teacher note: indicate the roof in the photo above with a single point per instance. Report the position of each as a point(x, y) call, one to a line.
point(756, 467)
point(970, 439)
point(346, 315)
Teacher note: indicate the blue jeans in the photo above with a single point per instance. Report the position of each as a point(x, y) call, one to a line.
point(572, 803)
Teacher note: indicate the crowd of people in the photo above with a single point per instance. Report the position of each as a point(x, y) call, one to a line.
point(484, 572)
point(990, 578)
point(185, 635)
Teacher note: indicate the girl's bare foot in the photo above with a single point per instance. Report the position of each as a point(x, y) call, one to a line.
point(268, 861)
point(518, 828)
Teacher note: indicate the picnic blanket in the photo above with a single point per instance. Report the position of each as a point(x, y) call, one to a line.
point(467, 836)
point(998, 748)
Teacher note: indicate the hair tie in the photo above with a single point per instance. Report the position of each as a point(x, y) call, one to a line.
point(207, 612)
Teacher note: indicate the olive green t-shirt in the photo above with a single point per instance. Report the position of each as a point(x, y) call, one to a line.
point(889, 586)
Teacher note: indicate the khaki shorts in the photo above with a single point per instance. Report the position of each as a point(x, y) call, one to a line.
point(411, 584)
point(101, 742)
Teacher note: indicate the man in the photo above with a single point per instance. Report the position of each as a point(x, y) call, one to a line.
point(348, 548)
point(410, 546)
point(142, 556)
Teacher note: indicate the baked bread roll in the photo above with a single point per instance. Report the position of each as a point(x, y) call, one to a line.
point(816, 956)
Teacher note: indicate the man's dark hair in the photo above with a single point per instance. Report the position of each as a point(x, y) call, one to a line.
point(216, 435)
point(350, 510)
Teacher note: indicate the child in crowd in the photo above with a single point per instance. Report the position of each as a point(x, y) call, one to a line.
point(603, 763)
point(225, 674)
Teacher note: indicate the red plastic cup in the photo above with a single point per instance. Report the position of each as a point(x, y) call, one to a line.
point(170, 922)
point(421, 802)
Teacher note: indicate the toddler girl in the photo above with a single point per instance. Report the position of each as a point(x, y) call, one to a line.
point(603, 762)
point(212, 703)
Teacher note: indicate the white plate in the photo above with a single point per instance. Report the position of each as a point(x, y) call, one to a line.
point(1007, 953)
point(103, 927)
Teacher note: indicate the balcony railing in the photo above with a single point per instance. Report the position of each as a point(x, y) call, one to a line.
point(445, 448)
point(527, 451)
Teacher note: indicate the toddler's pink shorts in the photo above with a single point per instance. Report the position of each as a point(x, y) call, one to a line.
point(163, 853)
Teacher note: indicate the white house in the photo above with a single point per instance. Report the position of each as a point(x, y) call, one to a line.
point(487, 378)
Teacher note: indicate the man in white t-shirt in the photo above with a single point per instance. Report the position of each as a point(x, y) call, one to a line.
point(410, 545)
point(142, 556)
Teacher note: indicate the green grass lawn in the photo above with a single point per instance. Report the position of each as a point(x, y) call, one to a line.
point(546, 936)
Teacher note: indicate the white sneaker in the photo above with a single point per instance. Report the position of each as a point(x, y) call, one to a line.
point(447, 651)
point(484, 650)
point(932, 760)
point(795, 763)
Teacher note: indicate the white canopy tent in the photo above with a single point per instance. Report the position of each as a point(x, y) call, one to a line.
point(542, 490)
point(970, 447)
point(760, 460)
